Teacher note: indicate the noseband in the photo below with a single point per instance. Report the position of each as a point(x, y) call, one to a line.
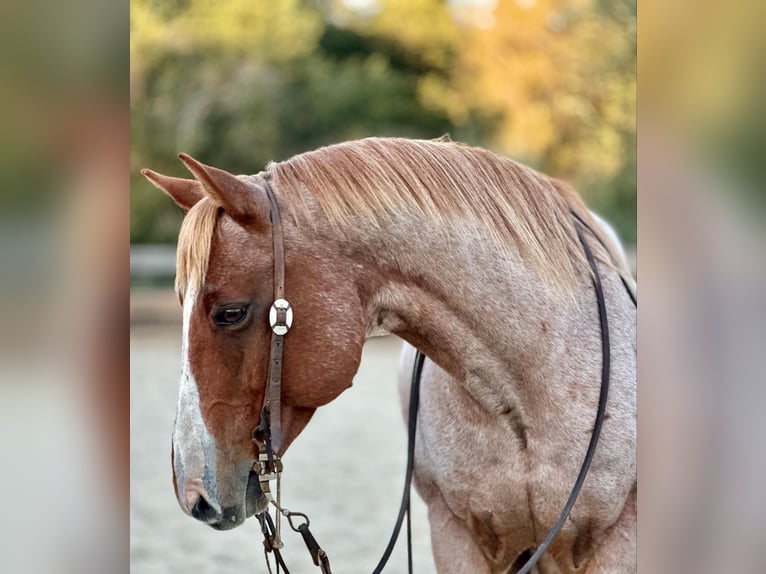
point(268, 434)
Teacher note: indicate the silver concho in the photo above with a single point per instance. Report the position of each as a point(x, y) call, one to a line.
point(281, 316)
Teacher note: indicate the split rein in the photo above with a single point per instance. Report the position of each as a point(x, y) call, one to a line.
point(268, 434)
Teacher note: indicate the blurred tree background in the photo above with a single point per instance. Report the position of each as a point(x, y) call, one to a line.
point(239, 83)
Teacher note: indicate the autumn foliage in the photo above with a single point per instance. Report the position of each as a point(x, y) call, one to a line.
point(242, 82)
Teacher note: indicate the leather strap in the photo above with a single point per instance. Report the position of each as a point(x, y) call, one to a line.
point(582, 222)
point(274, 384)
point(274, 391)
point(606, 357)
point(404, 507)
point(279, 250)
point(269, 532)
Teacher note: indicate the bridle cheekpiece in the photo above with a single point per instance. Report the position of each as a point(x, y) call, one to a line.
point(267, 436)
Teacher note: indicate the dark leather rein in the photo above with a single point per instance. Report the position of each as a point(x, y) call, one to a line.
point(268, 434)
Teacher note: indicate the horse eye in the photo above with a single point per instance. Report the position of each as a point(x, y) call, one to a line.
point(230, 316)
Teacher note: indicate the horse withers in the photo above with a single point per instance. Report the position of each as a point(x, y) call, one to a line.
point(467, 256)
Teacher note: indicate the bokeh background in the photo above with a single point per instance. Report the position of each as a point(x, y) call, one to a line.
point(67, 173)
point(240, 83)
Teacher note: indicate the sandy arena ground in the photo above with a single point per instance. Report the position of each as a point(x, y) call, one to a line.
point(345, 471)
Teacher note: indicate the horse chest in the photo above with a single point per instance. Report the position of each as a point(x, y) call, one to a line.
point(474, 460)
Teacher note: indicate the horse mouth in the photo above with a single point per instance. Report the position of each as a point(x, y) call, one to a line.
point(232, 517)
point(255, 500)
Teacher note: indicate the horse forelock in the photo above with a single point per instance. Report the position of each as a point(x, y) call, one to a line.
point(194, 241)
point(376, 179)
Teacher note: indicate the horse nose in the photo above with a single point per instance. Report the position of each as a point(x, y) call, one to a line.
point(201, 508)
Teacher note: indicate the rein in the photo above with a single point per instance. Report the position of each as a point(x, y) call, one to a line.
point(268, 434)
point(606, 359)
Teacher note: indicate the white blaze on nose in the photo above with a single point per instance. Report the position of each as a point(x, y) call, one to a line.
point(194, 447)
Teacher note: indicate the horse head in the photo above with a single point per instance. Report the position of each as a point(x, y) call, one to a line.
point(225, 283)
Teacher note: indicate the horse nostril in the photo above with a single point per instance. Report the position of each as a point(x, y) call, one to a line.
point(202, 510)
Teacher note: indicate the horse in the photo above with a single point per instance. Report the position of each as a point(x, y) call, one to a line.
point(467, 256)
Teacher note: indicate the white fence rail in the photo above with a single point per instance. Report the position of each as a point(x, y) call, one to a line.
point(158, 260)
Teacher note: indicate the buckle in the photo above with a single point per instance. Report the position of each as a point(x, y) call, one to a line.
point(281, 316)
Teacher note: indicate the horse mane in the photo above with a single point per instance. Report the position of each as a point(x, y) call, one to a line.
point(378, 179)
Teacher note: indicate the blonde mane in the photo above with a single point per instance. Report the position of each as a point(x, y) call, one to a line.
point(194, 241)
point(379, 179)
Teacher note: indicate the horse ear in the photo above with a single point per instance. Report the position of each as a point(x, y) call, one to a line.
point(185, 192)
point(238, 199)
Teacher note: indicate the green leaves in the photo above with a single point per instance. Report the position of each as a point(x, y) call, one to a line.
point(243, 82)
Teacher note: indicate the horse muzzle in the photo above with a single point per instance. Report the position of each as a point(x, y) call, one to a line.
point(198, 504)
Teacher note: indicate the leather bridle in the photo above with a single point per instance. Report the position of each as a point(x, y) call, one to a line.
point(268, 434)
point(280, 321)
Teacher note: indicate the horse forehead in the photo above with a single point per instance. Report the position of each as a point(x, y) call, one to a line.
point(233, 244)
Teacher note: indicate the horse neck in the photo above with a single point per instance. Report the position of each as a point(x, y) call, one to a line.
point(481, 313)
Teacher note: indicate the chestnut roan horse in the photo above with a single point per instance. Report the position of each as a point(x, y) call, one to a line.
point(469, 257)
